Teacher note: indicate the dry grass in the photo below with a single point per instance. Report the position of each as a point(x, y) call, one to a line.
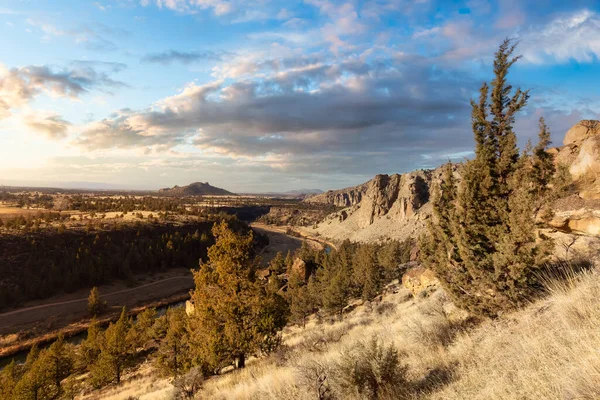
point(550, 350)
point(142, 384)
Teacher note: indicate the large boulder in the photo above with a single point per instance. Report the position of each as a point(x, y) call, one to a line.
point(581, 155)
point(582, 131)
point(189, 307)
point(301, 269)
point(576, 215)
point(418, 279)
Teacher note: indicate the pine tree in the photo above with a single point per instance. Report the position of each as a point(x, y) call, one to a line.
point(172, 357)
point(483, 244)
point(116, 352)
point(95, 304)
point(230, 306)
point(335, 288)
point(302, 303)
point(90, 348)
point(141, 331)
point(278, 264)
point(59, 362)
point(367, 274)
point(8, 380)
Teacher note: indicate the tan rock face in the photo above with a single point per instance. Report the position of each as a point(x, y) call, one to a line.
point(189, 307)
point(301, 269)
point(581, 131)
point(418, 279)
point(581, 154)
point(391, 207)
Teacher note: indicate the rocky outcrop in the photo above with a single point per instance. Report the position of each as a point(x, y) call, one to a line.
point(419, 279)
point(301, 269)
point(580, 153)
point(340, 198)
point(386, 207)
point(189, 307)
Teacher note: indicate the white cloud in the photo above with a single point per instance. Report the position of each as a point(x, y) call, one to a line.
point(52, 126)
point(574, 36)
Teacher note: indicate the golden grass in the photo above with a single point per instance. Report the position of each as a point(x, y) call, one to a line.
point(549, 350)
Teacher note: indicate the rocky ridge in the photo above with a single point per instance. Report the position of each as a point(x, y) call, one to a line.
point(388, 206)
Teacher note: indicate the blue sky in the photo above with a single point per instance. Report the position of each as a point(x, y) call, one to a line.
point(272, 95)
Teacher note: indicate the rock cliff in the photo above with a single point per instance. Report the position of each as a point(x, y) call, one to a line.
point(388, 206)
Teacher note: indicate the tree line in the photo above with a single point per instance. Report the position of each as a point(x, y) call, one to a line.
point(41, 264)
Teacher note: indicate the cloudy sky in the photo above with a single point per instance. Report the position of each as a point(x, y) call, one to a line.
point(272, 95)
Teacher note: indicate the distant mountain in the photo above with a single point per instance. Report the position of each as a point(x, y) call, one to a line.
point(195, 189)
point(291, 194)
point(304, 191)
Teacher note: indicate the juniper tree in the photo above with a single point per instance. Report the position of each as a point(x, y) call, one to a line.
point(116, 352)
point(483, 244)
point(172, 357)
point(89, 349)
point(59, 362)
point(228, 322)
point(8, 380)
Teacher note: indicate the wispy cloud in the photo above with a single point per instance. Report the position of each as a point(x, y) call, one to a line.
point(18, 86)
point(571, 36)
point(219, 7)
point(184, 57)
point(52, 126)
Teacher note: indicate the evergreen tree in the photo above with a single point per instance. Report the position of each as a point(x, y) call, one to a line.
point(141, 331)
point(116, 352)
point(8, 380)
point(278, 264)
point(95, 304)
point(302, 303)
point(59, 362)
point(89, 349)
point(231, 308)
point(367, 274)
point(483, 244)
point(335, 288)
point(172, 357)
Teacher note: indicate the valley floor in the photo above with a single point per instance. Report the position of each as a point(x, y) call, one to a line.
point(549, 350)
point(66, 311)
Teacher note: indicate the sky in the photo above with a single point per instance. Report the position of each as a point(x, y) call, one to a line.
point(273, 95)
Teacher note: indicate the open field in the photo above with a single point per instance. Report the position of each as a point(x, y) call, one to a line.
point(8, 211)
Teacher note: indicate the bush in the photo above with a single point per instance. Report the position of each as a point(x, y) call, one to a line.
point(188, 385)
point(371, 370)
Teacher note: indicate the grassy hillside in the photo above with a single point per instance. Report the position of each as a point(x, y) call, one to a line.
point(545, 351)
